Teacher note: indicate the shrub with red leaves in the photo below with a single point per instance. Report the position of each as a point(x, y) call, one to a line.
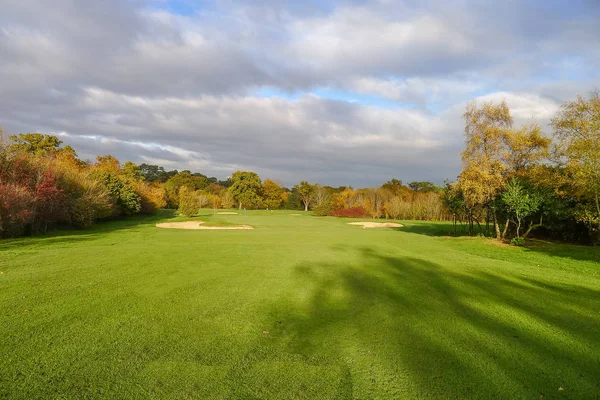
point(351, 212)
point(16, 203)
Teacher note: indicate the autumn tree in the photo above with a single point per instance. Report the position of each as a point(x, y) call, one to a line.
point(271, 192)
point(306, 192)
point(483, 175)
point(577, 135)
point(246, 187)
point(321, 201)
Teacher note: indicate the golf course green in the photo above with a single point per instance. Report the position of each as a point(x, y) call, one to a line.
point(300, 307)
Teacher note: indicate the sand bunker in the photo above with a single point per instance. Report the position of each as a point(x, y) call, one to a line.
point(227, 213)
point(377, 224)
point(295, 215)
point(198, 225)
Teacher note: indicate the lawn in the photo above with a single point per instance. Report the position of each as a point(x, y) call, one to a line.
point(301, 307)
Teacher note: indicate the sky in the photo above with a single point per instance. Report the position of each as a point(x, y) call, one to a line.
point(349, 92)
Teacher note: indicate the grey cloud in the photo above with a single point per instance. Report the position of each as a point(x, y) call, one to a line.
point(149, 85)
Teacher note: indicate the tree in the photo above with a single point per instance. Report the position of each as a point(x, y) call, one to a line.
point(306, 192)
point(423, 187)
point(189, 204)
point(227, 200)
point(271, 192)
point(321, 201)
point(245, 188)
point(483, 175)
point(396, 188)
point(519, 202)
point(132, 171)
point(152, 173)
point(35, 143)
point(577, 133)
point(453, 201)
point(394, 207)
point(184, 178)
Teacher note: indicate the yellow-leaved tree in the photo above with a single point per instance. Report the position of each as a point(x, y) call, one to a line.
point(577, 135)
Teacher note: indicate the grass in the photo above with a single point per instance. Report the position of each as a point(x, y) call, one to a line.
point(300, 307)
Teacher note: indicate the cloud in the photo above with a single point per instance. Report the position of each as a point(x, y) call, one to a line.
point(362, 91)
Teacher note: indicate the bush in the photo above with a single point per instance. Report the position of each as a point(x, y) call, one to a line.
point(188, 202)
point(16, 203)
point(322, 210)
point(351, 212)
point(518, 241)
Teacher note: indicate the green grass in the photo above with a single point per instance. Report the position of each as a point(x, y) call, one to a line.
point(299, 307)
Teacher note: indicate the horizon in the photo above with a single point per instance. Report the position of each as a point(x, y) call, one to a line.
point(350, 93)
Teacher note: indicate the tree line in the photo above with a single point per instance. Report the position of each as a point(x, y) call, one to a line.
point(515, 181)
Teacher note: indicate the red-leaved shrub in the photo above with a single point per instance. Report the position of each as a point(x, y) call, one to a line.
point(351, 212)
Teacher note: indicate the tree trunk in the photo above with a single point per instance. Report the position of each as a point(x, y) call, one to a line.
point(518, 226)
point(497, 226)
point(240, 205)
point(305, 206)
point(532, 226)
point(505, 228)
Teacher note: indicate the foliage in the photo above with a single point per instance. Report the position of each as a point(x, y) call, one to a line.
point(227, 201)
point(246, 189)
point(35, 143)
point(322, 210)
point(189, 203)
point(152, 196)
point(184, 178)
point(16, 204)
point(153, 173)
point(45, 186)
point(350, 212)
point(519, 202)
point(271, 193)
point(517, 241)
point(577, 135)
point(423, 187)
point(306, 192)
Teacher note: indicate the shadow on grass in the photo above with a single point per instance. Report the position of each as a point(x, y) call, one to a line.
point(408, 328)
point(98, 230)
point(436, 228)
point(446, 229)
point(575, 252)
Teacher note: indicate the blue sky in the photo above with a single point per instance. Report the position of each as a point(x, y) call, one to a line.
point(336, 92)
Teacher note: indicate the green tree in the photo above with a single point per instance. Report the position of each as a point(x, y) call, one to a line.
point(184, 178)
point(189, 202)
point(424, 187)
point(246, 189)
point(35, 143)
point(132, 171)
point(519, 202)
